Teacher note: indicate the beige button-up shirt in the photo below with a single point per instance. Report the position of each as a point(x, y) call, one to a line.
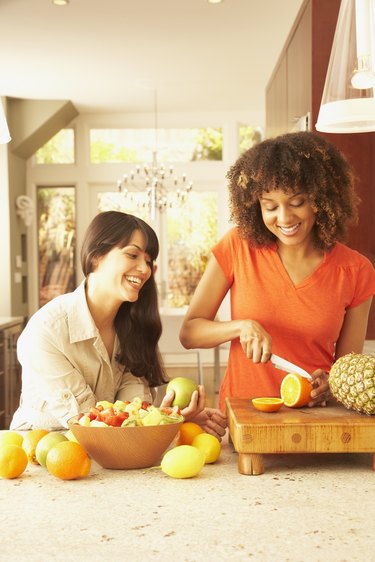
point(65, 366)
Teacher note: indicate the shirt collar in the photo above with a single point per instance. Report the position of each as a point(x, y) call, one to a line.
point(80, 322)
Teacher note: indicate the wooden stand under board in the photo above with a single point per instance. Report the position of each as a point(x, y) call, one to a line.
point(332, 429)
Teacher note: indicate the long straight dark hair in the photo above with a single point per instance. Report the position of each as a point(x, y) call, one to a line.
point(137, 324)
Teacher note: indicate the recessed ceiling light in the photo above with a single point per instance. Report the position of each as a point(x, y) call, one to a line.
point(215, 1)
point(60, 2)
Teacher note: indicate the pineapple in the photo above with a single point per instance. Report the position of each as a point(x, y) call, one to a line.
point(352, 382)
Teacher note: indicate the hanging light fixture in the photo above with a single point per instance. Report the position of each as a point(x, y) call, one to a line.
point(348, 102)
point(156, 181)
point(4, 131)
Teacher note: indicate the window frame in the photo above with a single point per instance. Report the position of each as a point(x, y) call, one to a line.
point(210, 175)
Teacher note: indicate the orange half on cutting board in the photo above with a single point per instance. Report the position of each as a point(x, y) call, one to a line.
point(295, 390)
point(267, 404)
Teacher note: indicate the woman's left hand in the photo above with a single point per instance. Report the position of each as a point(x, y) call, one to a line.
point(320, 393)
point(212, 421)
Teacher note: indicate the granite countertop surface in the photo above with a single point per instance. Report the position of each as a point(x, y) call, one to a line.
point(303, 508)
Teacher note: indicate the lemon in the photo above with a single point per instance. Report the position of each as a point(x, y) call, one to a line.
point(30, 442)
point(183, 461)
point(11, 438)
point(209, 445)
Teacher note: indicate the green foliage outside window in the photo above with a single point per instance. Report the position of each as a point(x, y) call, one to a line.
point(56, 241)
point(192, 231)
point(248, 136)
point(58, 150)
point(208, 145)
point(138, 145)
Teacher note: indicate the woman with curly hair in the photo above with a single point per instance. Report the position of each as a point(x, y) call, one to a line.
point(296, 290)
point(100, 342)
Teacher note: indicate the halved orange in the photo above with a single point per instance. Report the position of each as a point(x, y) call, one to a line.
point(267, 404)
point(295, 390)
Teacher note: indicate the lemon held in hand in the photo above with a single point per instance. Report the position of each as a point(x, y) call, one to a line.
point(183, 388)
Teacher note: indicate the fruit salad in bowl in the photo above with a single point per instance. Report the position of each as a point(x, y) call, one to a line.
point(137, 413)
point(126, 435)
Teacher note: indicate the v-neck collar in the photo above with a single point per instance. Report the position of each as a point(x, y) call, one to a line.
point(285, 275)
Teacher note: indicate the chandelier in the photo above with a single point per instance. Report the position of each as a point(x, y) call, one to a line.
point(162, 188)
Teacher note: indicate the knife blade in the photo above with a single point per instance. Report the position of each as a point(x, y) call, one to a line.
point(289, 367)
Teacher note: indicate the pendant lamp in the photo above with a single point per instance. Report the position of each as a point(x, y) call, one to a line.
point(348, 102)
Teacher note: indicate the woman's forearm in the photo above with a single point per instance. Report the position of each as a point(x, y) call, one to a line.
point(203, 333)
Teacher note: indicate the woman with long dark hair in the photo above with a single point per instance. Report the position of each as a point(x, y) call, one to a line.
point(100, 342)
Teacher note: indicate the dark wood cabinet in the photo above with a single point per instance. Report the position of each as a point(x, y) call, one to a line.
point(295, 90)
point(10, 370)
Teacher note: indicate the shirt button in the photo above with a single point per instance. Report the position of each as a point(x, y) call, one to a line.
point(66, 395)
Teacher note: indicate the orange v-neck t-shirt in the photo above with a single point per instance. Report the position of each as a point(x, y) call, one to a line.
point(304, 320)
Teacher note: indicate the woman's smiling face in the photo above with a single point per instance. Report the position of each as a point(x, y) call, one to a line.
point(290, 216)
point(122, 272)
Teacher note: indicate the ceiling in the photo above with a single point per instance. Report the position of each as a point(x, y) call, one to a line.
point(109, 55)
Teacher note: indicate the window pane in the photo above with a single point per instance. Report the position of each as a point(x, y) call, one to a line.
point(191, 235)
point(137, 145)
point(134, 203)
point(56, 241)
point(248, 136)
point(58, 150)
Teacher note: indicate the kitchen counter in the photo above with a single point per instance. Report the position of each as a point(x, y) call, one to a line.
point(303, 508)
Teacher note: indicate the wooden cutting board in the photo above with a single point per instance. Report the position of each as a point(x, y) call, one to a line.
point(332, 429)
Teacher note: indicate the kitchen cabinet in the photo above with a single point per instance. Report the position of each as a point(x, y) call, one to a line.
point(10, 370)
point(288, 93)
point(295, 90)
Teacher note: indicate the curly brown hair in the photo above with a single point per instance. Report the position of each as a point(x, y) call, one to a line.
point(303, 161)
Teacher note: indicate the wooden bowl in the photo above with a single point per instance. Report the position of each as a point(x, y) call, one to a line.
point(125, 447)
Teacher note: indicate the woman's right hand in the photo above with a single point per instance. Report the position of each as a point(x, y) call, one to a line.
point(196, 405)
point(255, 341)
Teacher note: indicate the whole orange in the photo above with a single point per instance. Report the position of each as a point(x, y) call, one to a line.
point(68, 460)
point(188, 431)
point(13, 461)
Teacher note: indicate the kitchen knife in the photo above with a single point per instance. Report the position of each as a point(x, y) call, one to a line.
point(289, 367)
